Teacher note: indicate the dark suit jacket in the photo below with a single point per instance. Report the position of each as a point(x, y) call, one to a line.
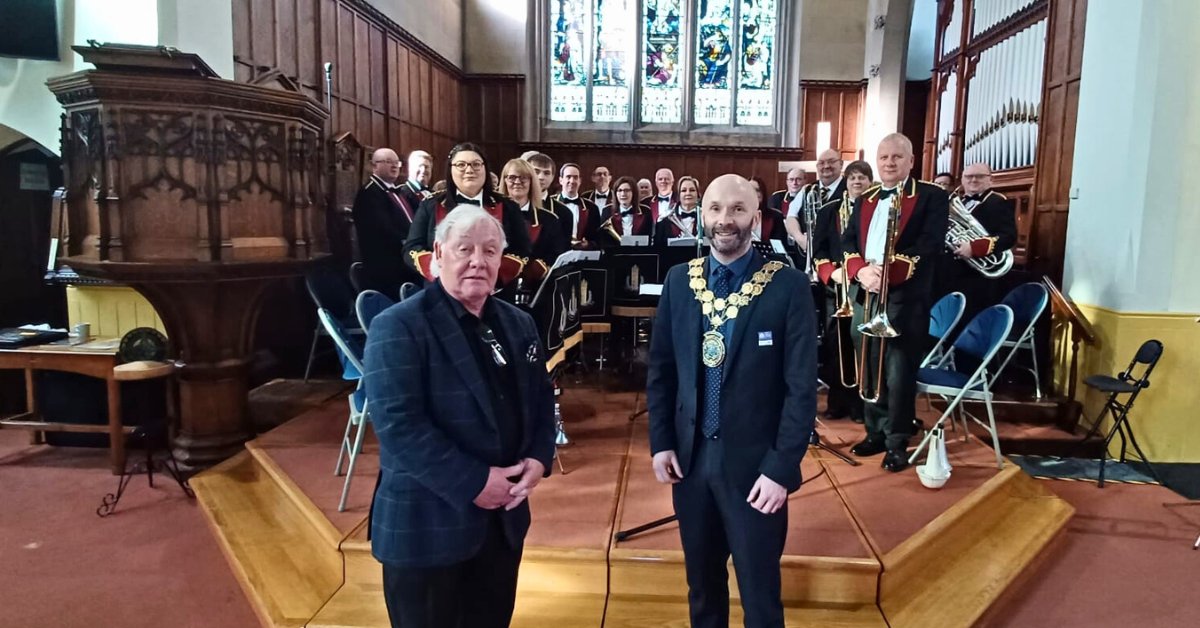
point(432, 413)
point(382, 226)
point(827, 247)
point(925, 210)
point(589, 220)
point(997, 214)
point(547, 237)
point(667, 228)
point(419, 244)
point(613, 226)
point(769, 392)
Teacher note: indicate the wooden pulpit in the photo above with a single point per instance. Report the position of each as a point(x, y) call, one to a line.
point(197, 192)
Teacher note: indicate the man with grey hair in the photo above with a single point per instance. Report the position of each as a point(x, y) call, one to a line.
point(382, 218)
point(420, 171)
point(464, 413)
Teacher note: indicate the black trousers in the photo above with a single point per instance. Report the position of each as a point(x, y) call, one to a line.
point(841, 401)
point(892, 418)
point(477, 593)
point(715, 521)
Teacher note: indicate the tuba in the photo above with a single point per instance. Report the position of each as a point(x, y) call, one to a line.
point(964, 228)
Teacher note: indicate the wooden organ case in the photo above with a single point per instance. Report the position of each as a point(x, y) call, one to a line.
point(985, 102)
point(197, 192)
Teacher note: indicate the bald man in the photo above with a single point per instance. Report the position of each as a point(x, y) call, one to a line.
point(731, 393)
point(997, 215)
point(829, 185)
point(382, 216)
point(920, 232)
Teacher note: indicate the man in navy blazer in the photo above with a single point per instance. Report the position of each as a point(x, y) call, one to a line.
point(464, 412)
point(731, 391)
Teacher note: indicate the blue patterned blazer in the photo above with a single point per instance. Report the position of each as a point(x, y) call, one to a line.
point(431, 410)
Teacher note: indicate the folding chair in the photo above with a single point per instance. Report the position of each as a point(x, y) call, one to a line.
point(350, 350)
point(981, 339)
point(356, 276)
point(1124, 384)
point(332, 291)
point(1027, 302)
point(408, 289)
point(943, 319)
point(368, 305)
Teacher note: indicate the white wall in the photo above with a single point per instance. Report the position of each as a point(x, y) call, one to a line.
point(832, 39)
point(1133, 231)
point(495, 40)
point(921, 38)
point(437, 23)
point(887, 48)
point(204, 28)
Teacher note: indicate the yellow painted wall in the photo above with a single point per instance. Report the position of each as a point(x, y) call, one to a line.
point(110, 310)
point(1166, 416)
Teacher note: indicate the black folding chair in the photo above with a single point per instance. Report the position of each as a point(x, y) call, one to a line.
point(1125, 383)
point(333, 291)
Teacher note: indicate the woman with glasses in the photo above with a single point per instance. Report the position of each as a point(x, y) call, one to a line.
point(519, 183)
point(626, 216)
point(467, 183)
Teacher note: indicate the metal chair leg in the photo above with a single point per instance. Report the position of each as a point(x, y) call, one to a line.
point(364, 420)
point(1037, 378)
point(312, 351)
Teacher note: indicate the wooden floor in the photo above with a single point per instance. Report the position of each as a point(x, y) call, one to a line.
point(865, 547)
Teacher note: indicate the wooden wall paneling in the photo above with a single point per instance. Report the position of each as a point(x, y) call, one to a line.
point(286, 53)
point(309, 68)
point(242, 71)
point(837, 102)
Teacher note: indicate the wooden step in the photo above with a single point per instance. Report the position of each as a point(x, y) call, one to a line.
point(955, 568)
point(1034, 439)
point(661, 614)
point(284, 564)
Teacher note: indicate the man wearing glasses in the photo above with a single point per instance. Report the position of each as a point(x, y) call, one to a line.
point(468, 183)
point(997, 214)
point(382, 217)
point(464, 413)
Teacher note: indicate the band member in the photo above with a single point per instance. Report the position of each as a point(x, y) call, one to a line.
point(944, 180)
point(684, 219)
point(382, 217)
point(625, 216)
point(919, 234)
point(838, 363)
point(579, 217)
point(464, 414)
point(467, 183)
point(772, 226)
point(997, 215)
point(601, 193)
point(546, 236)
point(665, 201)
point(731, 393)
point(420, 171)
point(645, 190)
point(811, 197)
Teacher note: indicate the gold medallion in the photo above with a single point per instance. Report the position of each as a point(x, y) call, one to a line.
point(731, 311)
point(712, 349)
point(719, 304)
point(706, 308)
point(696, 283)
point(696, 271)
point(747, 288)
point(716, 321)
point(757, 290)
point(707, 297)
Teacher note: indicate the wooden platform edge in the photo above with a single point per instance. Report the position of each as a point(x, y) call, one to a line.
point(952, 571)
point(218, 489)
point(303, 502)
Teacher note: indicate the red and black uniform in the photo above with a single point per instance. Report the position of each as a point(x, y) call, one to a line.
point(582, 234)
point(773, 227)
point(642, 224)
point(920, 237)
point(382, 219)
point(661, 206)
point(547, 240)
point(997, 215)
point(418, 248)
point(602, 200)
point(827, 249)
point(414, 193)
point(675, 225)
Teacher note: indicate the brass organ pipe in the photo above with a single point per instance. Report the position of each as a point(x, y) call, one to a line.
point(875, 318)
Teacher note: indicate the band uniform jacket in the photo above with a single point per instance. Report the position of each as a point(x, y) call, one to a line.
point(827, 248)
point(766, 421)
point(781, 200)
point(414, 197)
point(669, 227)
point(418, 248)
point(997, 214)
point(437, 430)
point(655, 201)
point(921, 234)
point(547, 240)
point(773, 227)
point(614, 226)
point(610, 199)
point(382, 218)
point(589, 220)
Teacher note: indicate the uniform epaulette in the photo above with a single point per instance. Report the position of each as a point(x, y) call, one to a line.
point(927, 182)
point(1002, 197)
point(873, 187)
point(783, 191)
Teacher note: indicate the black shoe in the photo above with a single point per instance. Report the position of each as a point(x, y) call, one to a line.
point(833, 415)
point(868, 447)
point(895, 460)
point(857, 419)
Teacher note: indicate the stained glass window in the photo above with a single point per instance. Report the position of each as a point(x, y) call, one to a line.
point(714, 56)
point(662, 92)
point(756, 76)
point(612, 63)
point(568, 78)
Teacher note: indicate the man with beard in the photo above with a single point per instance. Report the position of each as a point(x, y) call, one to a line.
point(382, 218)
point(920, 232)
point(731, 392)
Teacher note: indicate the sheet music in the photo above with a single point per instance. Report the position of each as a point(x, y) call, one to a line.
point(682, 241)
point(570, 257)
point(635, 240)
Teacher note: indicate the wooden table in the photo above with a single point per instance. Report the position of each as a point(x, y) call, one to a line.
point(94, 359)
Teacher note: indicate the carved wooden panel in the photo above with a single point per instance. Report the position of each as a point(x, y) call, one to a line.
point(495, 106)
point(841, 104)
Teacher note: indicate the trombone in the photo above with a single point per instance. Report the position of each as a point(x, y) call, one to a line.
point(875, 317)
point(809, 209)
point(844, 309)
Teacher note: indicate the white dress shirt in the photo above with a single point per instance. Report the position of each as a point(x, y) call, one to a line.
point(877, 231)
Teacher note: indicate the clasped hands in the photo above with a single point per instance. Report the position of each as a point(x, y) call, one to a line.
point(766, 496)
point(870, 277)
point(502, 492)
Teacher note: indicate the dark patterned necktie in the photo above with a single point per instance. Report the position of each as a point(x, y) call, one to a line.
point(714, 374)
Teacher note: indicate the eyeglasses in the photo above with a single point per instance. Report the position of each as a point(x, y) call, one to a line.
point(391, 162)
point(828, 162)
point(463, 166)
point(514, 178)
